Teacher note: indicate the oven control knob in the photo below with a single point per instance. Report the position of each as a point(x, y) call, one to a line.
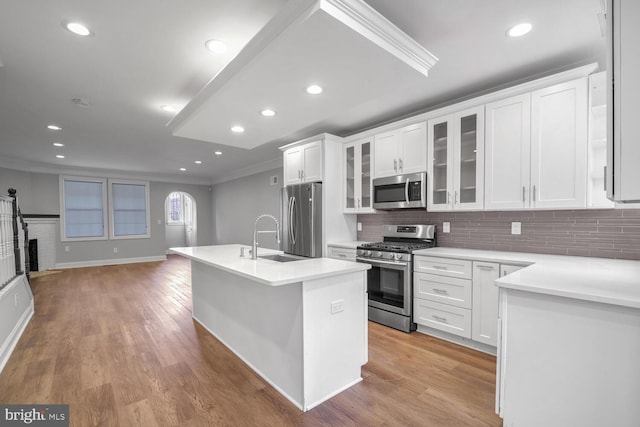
point(367, 253)
point(398, 256)
point(379, 254)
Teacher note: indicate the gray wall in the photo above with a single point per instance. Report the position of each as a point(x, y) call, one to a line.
point(237, 204)
point(39, 194)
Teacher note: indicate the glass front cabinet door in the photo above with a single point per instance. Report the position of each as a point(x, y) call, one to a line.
point(455, 151)
point(358, 163)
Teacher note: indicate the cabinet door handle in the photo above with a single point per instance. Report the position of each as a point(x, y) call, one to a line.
point(534, 193)
point(523, 194)
point(440, 291)
point(455, 197)
point(605, 178)
point(395, 165)
point(448, 198)
point(484, 267)
point(359, 204)
point(302, 174)
point(439, 318)
point(299, 177)
point(400, 164)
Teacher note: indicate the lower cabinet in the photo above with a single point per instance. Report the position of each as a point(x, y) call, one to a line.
point(338, 252)
point(458, 296)
point(485, 302)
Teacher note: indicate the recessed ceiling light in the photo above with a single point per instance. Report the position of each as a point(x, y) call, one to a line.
point(54, 127)
point(237, 129)
point(198, 162)
point(519, 29)
point(216, 46)
point(218, 153)
point(168, 108)
point(60, 156)
point(77, 28)
point(268, 112)
point(58, 144)
point(314, 90)
point(183, 169)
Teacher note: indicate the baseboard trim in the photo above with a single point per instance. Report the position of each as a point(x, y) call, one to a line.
point(465, 342)
point(101, 262)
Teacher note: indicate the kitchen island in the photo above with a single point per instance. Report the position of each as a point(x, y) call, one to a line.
point(301, 325)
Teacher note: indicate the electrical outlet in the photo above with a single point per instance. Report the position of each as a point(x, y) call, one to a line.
point(359, 226)
point(67, 248)
point(337, 306)
point(446, 227)
point(115, 250)
point(516, 228)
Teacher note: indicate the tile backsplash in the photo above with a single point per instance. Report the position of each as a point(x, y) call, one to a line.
point(607, 233)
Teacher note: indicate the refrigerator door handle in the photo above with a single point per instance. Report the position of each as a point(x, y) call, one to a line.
point(313, 221)
point(292, 230)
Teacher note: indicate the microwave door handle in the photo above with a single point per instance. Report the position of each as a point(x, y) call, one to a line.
point(406, 191)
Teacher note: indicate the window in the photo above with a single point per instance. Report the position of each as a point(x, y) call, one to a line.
point(129, 209)
point(175, 211)
point(83, 207)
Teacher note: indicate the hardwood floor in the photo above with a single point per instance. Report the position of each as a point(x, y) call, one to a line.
point(118, 344)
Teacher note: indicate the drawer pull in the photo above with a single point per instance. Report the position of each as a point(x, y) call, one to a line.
point(484, 267)
point(439, 267)
point(440, 291)
point(439, 318)
point(342, 255)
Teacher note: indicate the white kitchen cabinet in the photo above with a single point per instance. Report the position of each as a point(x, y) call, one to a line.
point(401, 151)
point(303, 163)
point(596, 189)
point(507, 153)
point(559, 146)
point(341, 253)
point(484, 324)
point(357, 191)
point(623, 99)
point(536, 149)
point(456, 161)
point(442, 296)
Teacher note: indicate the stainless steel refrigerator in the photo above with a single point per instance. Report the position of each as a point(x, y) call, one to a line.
point(301, 218)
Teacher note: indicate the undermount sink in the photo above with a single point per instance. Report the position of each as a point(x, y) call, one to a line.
point(282, 258)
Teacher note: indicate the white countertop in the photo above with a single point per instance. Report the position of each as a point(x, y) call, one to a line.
point(268, 272)
point(603, 280)
point(347, 245)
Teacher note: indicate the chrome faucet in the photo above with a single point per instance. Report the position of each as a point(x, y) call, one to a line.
point(254, 248)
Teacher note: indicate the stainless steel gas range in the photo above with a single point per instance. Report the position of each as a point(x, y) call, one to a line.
point(390, 279)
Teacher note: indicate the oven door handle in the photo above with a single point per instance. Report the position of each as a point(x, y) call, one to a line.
point(378, 263)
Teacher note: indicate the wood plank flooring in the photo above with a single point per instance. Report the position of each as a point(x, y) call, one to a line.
point(118, 344)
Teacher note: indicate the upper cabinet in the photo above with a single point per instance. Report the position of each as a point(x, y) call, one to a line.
point(623, 93)
point(357, 191)
point(303, 163)
point(536, 149)
point(401, 151)
point(596, 188)
point(456, 161)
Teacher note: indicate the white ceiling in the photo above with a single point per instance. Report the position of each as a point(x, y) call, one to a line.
point(146, 53)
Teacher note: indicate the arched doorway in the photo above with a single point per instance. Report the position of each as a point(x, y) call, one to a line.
point(181, 220)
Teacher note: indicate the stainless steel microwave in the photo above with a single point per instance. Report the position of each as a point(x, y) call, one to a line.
point(400, 191)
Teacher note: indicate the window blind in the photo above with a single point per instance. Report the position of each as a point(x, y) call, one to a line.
point(129, 209)
point(83, 209)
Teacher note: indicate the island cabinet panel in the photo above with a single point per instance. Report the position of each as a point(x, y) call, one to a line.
point(567, 362)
